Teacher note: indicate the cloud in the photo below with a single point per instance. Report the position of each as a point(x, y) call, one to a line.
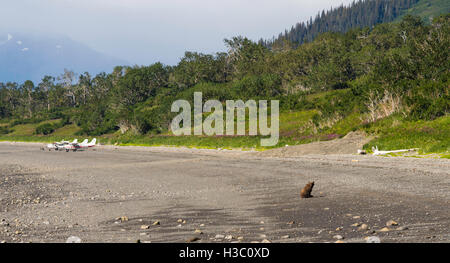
point(146, 31)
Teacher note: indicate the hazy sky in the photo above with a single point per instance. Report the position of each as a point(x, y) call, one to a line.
point(146, 31)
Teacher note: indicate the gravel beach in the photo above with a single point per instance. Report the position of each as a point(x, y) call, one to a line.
point(158, 194)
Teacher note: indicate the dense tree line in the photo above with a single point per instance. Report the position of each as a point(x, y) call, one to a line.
point(390, 68)
point(360, 14)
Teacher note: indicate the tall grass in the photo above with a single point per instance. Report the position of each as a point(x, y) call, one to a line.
point(394, 133)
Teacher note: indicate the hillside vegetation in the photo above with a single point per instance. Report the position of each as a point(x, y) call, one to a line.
point(359, 14)
point(427, 9)
point(391, 80)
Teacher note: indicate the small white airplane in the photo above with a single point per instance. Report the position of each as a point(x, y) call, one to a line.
point(80, 146)
point(57, 146)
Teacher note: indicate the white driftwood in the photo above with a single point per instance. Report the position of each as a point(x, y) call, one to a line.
point(377, 152)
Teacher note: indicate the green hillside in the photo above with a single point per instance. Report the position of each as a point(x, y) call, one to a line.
point(390, 81)
point(362, 13)
point(427, 9)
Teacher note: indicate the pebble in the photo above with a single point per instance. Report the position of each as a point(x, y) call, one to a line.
point(391, 223)
point(218, 236)
point(122, 218)
point(338, 237)
point(145, 227)
point(373, 239)
point(73, 239)
point(285, 237)
point(192, 239)
point(229, 237)
point(198, 231)
point(265, 241)
point(401, 228)
point(384, 229)
point(363, 227)
point(156, 223)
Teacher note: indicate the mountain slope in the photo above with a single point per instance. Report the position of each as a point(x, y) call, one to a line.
point(30, 57)
point(363, 13)
point(428, 9)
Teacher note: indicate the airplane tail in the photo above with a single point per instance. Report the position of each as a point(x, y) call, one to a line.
point(93, 142)
point(75, 141)
point(85, 141)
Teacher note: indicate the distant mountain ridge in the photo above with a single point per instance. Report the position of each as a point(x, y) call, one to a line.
point(32, 56)
point(362, 13)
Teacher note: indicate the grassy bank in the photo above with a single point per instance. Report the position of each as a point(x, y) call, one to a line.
point(395, 133)
point(296, 128)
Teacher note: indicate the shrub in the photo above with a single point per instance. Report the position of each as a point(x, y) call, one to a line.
point(5, 130)
point(45, 129)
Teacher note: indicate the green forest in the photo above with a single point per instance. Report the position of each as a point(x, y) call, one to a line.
point(390, 80)
point(363, 13)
